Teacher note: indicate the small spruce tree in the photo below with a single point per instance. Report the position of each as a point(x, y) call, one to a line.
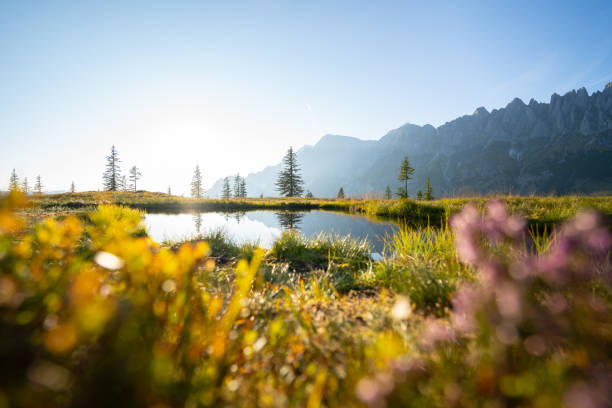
point(341, 193)
point(405, 174)
point(226, 191)
point(388, 193)
point(72, 188)
point(428, 190)
point(196, 183)
point(38, 187)
point(123, 186)
point(112, 175)
point(169, 191)
point(13, 181)
point(135, 175)
point(309, 194)
point(289, 182)
point(24, 186)
point(419, 195)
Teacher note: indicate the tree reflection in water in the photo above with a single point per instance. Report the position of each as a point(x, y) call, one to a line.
point(238, 215)
point(197, 221)
point(289, 220)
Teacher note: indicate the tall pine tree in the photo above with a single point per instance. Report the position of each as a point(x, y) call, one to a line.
point(196, 183)
point(112, 175)
point(405, 174)
point(237, 179)
point(72, 188)
point(226, 191)
point(341, 193)
point(289, 182)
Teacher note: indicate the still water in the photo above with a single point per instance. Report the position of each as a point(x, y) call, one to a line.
point(265, 226)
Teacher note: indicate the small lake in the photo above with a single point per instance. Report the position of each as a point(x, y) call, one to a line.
point(265, 226)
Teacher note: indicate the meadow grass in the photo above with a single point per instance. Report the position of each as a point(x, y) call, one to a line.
point(320, 252)
point(93, 312)
point(422, 264)
point(222, 247)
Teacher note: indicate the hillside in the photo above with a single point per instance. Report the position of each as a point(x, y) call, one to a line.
point(561, 147)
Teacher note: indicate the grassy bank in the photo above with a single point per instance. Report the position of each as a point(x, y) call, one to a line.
point(163, 202)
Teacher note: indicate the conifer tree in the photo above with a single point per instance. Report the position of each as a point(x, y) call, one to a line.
point(123, 186)
point(419, 195)
point(196, 183)
point(72, 188)
point(38, 187)
point(341, 193)
point(243, 190)
point(135, 175)
point(289, 182)
point(388, 193)
point(13, 181)
point(428, 190)
point(169, 191)
point(405, 174)
point(24, 186)
point(308, 194)
point(226, 191)
point(112, 175)
point(237, 179)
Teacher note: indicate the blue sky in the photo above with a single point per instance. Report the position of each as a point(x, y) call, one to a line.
point(230, 85)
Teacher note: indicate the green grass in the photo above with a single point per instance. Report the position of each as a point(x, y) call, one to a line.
point(320, 252)
point(222, 247)
point(423, 265)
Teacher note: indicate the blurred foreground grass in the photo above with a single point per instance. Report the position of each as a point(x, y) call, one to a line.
point(93, 312)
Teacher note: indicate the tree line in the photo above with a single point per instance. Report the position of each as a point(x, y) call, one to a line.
point(289, 182)
point(24, 185)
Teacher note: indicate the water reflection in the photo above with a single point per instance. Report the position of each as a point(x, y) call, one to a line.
point(197, 221)
point(238, 215)
point(266, 226)
point(289, 220)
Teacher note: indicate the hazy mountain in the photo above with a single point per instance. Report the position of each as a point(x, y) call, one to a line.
point(563, 146)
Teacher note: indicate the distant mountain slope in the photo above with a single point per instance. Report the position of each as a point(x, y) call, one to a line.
point(561, 147)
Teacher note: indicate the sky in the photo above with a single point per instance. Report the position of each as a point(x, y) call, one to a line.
point(230, 85)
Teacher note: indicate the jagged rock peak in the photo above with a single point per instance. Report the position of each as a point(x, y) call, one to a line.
point(516, 101)
point(608, 86)
point(481, 111)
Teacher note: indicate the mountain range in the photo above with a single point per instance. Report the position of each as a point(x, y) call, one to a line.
point(560, 147)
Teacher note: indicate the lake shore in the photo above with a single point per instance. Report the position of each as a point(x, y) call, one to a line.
point(540, 211)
